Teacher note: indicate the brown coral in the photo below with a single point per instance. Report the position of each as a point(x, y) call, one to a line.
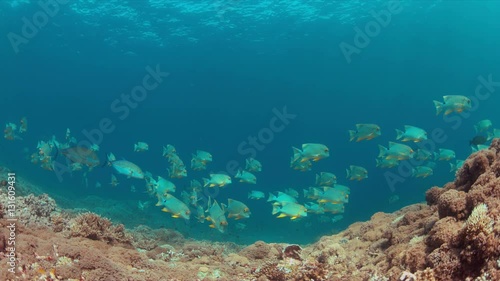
point(92, 226)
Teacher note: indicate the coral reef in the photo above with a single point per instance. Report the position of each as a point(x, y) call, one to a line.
point(452, 237)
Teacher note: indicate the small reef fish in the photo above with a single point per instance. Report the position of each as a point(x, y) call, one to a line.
point(114, 181)
point(477, 140)
point(68, 134)
point(411, 133)
point(452, 103)
point(82, 155)
point(255, 194)
point(333, 208)
point(455, 167)
point(237, 210)
point(314, 208)
point(396, 151)
point(386, 163)
point(246, 177)
point(253, 165)
point(311, 151)
point(98, 185)
point(333, 195)
point(445, 154)
point(393, 199)
point(356, 173)
point(125, 167)
point(431, 165)
point(325, 179)
point(177, 170)
point(141, 146)
point(219, 180)
point(282, 197)
point(296, 164)
point(200, 160)
point(200, 214)
point(9, 133)
point(494, 135)
point(216, 216)
point(422, 172)
point(169, 150)
point(289, 209)
point(174, 206)
point(94, 147)
point(24, 125)
point(479, 147)
point(483, 126)
point(423, 155)
point(163, 186)
point(195, 185)
point(292, 192)
point(364, 132)
point(312, 193)
point(337, 218)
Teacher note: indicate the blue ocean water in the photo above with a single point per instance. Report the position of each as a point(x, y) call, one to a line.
point(232, 65)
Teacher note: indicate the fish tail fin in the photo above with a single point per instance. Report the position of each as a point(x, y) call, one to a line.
point(206, 182)
point(111, 157)
point(348, 173)
point(352, 135)
point(399, 134)
point(271, 197)
point(305, 192)
point(452, 167)
point(276, 209)
point(439, 107)
point(297, 154)
point(489, 136)
point(378, 162)
point(382, 151)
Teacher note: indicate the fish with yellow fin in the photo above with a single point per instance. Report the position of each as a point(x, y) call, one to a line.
point(364, 132)
point(289, 209)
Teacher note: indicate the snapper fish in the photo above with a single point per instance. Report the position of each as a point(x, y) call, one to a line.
point(396, 151)
point(333, 208)
point(176, 207)
point(141, 146)
point(422, 171)
point(163, 186)
point(311, 151)
point(452, 103)
point(483, 126)
point(314, 208)
point(114, 181)
point(237, 210)
point(325, 179)
point(296, 164)
point(494, 135)
point(169, 150)
point(82, 155)
point(125, 167)
point(292, 192)
point(219, 180)
point(364, 132)
point(216, 216)
point(356, 173)
point(312, 193)
point(455, 167)
point(281, 197)
point(445, 154)
point(177, 170)
point(423, 155)
point(200, 160)
point(479, 147)
point(386, 163)
point(246, 177)
point(253, 165)
point(255, 194)
point(411, 133)
point(289, 209)
point(477, 140)
point(333, 195)
point(24, 125)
